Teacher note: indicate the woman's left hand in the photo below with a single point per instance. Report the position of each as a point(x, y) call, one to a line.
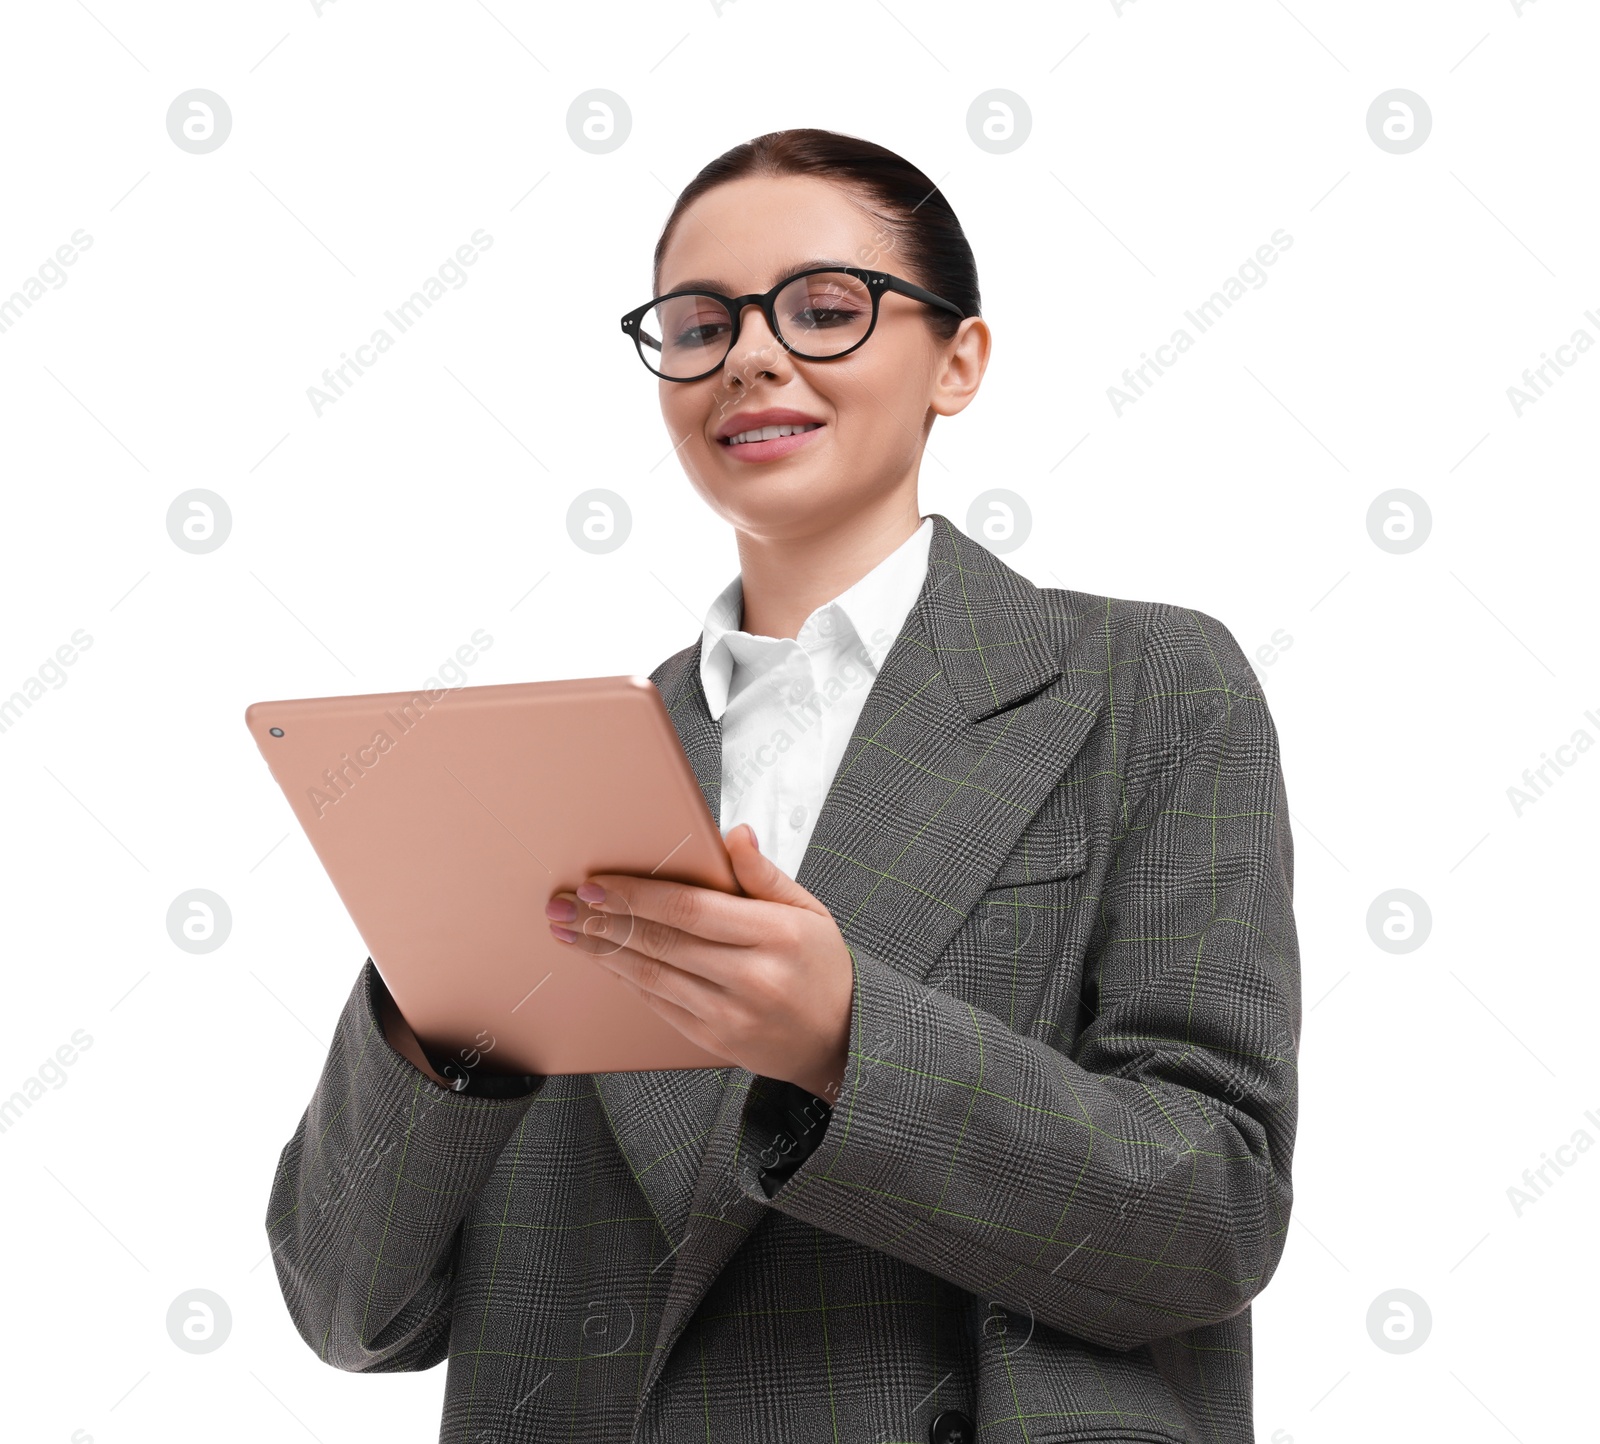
point(764, 980)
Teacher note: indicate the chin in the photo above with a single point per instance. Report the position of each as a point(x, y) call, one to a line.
point(769, 505)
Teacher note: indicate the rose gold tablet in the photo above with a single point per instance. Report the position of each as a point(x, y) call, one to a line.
point(446, 819)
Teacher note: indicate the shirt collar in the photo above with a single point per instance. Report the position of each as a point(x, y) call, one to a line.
point(874, 609)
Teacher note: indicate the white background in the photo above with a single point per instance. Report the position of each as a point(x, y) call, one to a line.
point(1167, 142)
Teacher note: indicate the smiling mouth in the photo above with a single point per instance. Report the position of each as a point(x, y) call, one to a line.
point(767, 433)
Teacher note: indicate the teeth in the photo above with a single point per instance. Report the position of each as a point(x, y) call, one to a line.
point(768, 433)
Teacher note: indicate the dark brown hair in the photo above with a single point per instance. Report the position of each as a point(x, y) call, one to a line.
point(919, 237)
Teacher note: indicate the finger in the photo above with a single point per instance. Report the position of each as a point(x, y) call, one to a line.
point(682, 998)
point(762, 878)
point(719, 963)
point(685, 1014)
point(691, 1025)
point(716, 916)
point(645, 969)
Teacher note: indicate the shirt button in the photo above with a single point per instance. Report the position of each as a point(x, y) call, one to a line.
point(951, 1427)
point(797, 818)
point(797, 691)
point(825, 626)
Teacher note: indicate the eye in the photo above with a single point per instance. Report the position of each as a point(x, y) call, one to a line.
point(820, 318)
point(700, 335)
point(824, 306)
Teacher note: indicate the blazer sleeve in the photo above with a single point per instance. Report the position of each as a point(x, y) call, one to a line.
point(367, 1205)
point(1136, 1184)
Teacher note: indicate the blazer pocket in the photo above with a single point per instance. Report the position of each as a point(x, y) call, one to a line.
point(1121, 1436)
point(1049, 848)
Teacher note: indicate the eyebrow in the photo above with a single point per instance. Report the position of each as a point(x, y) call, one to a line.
point(707, 283)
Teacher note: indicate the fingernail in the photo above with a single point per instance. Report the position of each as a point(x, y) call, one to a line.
point(591, 892)
point(561, 909)
point(755, 841)
point(565, 934)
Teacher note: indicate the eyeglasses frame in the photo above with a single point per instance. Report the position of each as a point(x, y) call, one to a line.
point(877, 282)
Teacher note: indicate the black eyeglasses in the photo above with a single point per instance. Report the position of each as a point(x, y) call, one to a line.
point(827, 313)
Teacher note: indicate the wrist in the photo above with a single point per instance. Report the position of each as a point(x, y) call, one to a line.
point(827, 1081)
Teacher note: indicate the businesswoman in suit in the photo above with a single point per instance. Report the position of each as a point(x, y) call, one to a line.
point(1005, 1152)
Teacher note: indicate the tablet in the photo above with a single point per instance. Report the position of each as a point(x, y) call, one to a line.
point(445, 819)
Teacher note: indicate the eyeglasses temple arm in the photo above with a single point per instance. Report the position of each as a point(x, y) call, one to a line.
point(905, 288)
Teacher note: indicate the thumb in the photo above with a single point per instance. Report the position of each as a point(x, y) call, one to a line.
point(759, 875)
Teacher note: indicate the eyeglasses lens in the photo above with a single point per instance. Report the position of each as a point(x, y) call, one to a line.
point(819, 316)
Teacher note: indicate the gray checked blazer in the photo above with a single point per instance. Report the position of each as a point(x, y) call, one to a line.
point(1058, 1169)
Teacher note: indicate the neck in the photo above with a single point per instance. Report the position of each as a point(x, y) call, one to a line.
point(785, 579)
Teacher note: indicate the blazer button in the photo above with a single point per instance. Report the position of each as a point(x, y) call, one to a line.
point(951, 1427)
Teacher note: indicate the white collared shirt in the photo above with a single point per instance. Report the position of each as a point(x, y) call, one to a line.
point(789, 704)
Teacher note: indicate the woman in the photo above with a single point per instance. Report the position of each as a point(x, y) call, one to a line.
point(1014, 987)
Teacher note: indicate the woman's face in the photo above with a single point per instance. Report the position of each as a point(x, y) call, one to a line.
point(874, 406)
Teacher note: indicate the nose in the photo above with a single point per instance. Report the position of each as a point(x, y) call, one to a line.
point(756, 347)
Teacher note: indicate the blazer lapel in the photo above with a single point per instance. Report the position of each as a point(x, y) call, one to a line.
point(965, 731)
point(661, 1118)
